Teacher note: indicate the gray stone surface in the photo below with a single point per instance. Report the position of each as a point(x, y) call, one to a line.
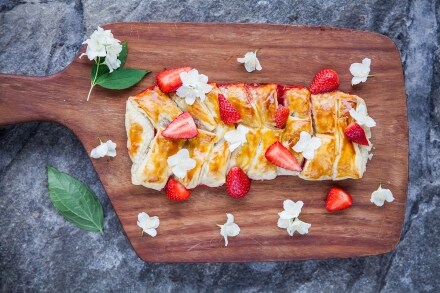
point(39, 251)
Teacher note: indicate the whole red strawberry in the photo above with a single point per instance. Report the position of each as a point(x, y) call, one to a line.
point(356, 133)
point(338, 199)
point(176, 191)
point(228, 113)
point(237, 183)
point(281, 116)
point(326, 80)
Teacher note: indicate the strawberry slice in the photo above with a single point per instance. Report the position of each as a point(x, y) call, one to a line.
point(356, 133)
point(176, 191)
point(183, 127)
point(338, 199)
point(281, 116)
point(238, 183)
point(169, 80)
point(280, 156)
point(228, 113)
point(326, 80)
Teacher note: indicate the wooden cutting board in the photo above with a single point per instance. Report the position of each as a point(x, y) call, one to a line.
point(289, 55)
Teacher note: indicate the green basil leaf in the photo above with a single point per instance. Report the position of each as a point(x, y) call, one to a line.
point(123, 54)
point(75, 201)
point(121, 78)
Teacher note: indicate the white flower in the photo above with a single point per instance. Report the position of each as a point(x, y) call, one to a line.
point(307, 145)
point(381, 195)
point(181, 163)
point(250, 61)
point(194, 85)
point(111, 60)
point(361, 116)
point(293, 225)
point(148, 224)
point(291, 209)
point(360, 71)
point(103, 44)
point(107, 148)
point(236, 137)
point(289, 218)
point(229, 229)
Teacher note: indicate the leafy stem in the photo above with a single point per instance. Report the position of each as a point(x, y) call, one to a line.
point(93, 81)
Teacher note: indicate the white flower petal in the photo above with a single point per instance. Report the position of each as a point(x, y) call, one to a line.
point(369, 122)
point(379, 196)
point(155, 222)
point(142, 217)
point(100, 151)
point(283, 223)
point(356, 69)
point(179, 171)
point(152, 232)
point(308, 154)
point(230, 218)
point(357, 80)
point(294, 209)
point(300, 226)
point(226, 240)
point(241, 60)
point(250, 61)
point(285, 215)
point(366, 62)
point(111, 148)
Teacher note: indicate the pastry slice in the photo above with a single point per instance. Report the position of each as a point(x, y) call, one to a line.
point(199, 149)
point(351, 158)
point(211, 103)
point(260, 168)
point(290, 137)
point(159, 108)
point(321, 166)
point(201, 114)
point(238, 96)
point(324, 108)
point(153, 170)
point(214, 170)
point(346, 163)
point(265, 99)
point(139, 129)
point(297, 98)
point(242, 156)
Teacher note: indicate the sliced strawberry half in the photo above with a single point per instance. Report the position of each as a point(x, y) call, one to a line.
point(183, 127)
point(326, 80)
point(280, 156)
point(281, 116)
point(176, 191)
point(356, 133)
point(338, 199)
point(228, 113)
point(238, 183)
point(169, 80)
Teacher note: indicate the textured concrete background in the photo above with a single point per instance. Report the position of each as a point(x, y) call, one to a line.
point(39, 251)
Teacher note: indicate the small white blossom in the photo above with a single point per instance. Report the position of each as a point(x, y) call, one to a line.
point(236, 137)
point(381, 195)
point(107, 148)
point(307, 145)
point(229, 229)
point(194, 85)
point(360, 71)
point(148, 224)
point(361, 116)
point(103, 44)
point(289, 218)
point(293, 225)
point(251, 62)
point(180, 163)
point(291, 209)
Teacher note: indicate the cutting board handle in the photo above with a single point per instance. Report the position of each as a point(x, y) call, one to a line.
point(24, 99)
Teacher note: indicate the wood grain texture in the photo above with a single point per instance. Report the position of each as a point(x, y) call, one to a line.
point(289, 55)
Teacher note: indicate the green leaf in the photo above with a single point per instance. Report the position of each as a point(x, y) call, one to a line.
point(123, 54)
point(102, 69)
point(75, 201)
point(121, 78)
